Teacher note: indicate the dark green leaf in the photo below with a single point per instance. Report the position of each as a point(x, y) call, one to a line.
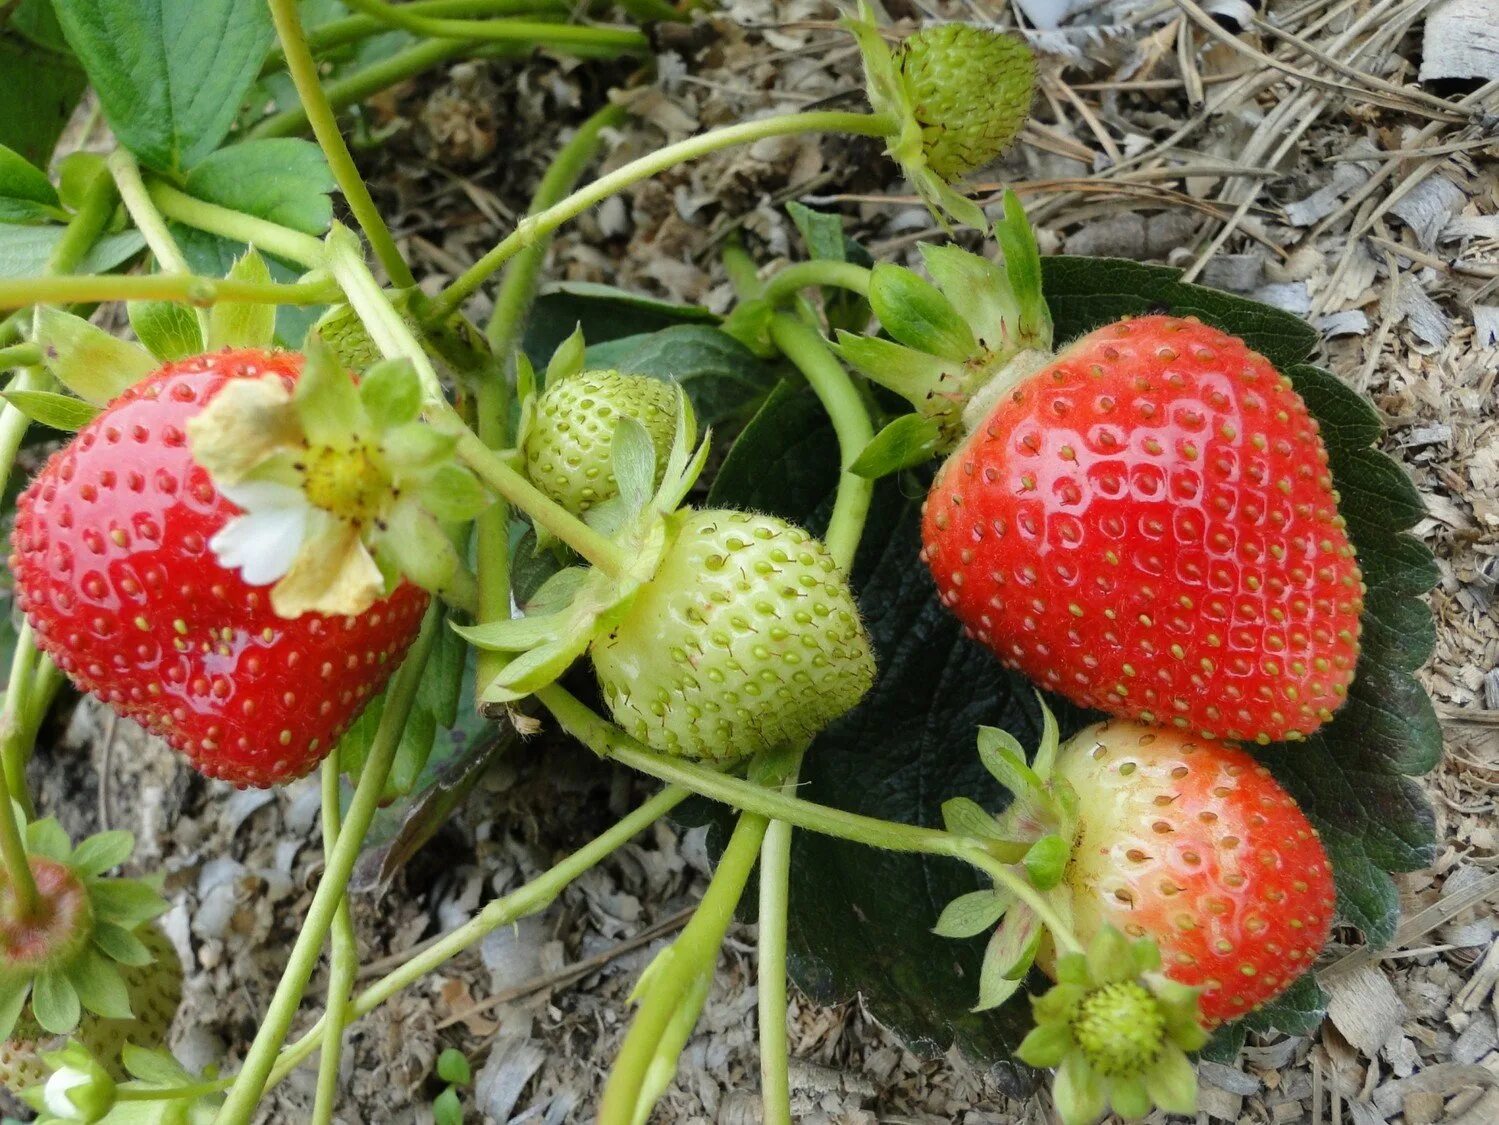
point(170, 74)
point(724, 379)
point(604, 312)
point(26, 195)
point(282, 180)
point(43, 83)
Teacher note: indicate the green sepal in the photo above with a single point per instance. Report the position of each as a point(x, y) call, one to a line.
point(391, 392)
point(326, 398)
point(100, 987)
point(1109, 958)
point(1078, 1091)
point(972, 914)
point(125, 902)
point(120, 945)
point(912, 374)
point(101, 852)
point(1046, 861)
point(1045, 1045)
point(633, 456)
point(977, 288)
point(515, 634)
point(1008, 956)
point(13, 993)
point(419, 547)
point(963, 816)
point(47, 838)
point(915, 312)
point(452, 494)
point(908, 441)
point(94, 365)
point(47, 408)
point(1172, 1082)
point(54, 1002)
point(1128, 1098)
point(567, 359)
point(243, 324)
point(1003, 757)
point(169, 331)
point(1017, 241)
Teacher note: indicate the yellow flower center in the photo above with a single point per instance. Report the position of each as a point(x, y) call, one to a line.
point(346, 482)
point(1120, 1029)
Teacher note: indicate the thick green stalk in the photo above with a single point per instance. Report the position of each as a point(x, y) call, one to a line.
point(367, 81)
point(268, 237)
point(534, 227)
point(506, 325)
point(350, 29)
point(676, 986)
point(303, 70)
point(13, 423)
point(18, 875)
point(148, 220)
point(534, 896)
point(250, 1082)
point(186, 288)
point(343, 960)
point(20, 355)
point(844, 406)
point(502, 30)
point(802, 275)
point(85, 227)
point(29, 692)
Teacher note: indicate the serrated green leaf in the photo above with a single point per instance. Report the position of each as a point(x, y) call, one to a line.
point(1347, 420)
point(605, 313)
point(169, 73)
point(47, 408)
point(54, 1003)
point(969, 915)
point(1375, 492)
point(169, 331)
point(90, 362)
point(243, 324)
point(910, 440)
point(43, 86)
point(100, 987)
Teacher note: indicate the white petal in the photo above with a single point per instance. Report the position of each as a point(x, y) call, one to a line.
point(258, 495)
point(55, 1093)
point(263, 544)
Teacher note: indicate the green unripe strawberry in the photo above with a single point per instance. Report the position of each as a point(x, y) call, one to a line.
point(569, 438)
point(155, 991)
point(746, 637)
point(970, 88)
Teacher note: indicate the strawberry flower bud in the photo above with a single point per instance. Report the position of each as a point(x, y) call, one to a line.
point(958, 94)
point(1117, 1032)
point(79, 1089)
point(958, 341)
point(343, 488)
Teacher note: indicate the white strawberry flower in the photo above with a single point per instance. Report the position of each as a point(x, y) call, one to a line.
point(343, 488)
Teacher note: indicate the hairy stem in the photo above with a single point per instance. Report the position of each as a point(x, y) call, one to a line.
point(186, 288)
point(246, 1091)
point(506, 325)
point(148, 220)
point(502, 30)
point(803, 275)
point(674, 987)
point(303, 70)
point(844, 406)
point(343, 960)
point(18, 875)
point(536, 226)
point(271, 238)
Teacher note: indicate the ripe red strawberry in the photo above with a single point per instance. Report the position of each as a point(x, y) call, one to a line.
point(1147, 525)
point(113, 570)
point(1194, 844)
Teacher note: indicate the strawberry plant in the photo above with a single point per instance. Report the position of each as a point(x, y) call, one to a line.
point(312, 516)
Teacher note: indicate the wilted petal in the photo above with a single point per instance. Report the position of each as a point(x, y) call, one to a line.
point(333, 574)
point(246, 422)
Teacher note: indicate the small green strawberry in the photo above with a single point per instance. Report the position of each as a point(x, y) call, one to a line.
point(958, 95)
point(568, 443)
point(747, 637)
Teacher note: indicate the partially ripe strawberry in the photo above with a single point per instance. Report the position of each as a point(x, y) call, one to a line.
point(569, 438)
point(1147, 525)
point(113, 569)
point(1195, 845)
point(746, 638)
point(155, 990)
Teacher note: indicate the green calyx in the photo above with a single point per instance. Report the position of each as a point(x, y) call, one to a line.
point(963, 339)
point(67, 955)
point(345, 333)
point(567, 430)
point(579, 605)
point(1117, 1032)
point(958, 94)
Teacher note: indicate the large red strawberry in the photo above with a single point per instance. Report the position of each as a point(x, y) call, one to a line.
point(1147, 525)
point(113, 569)
point(1195, 845)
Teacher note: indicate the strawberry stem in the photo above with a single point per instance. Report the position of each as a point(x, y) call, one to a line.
point(304, 74)
point(504, 30)
point(534, 227)
point(343, 960)
point(803, 275)
point(1022, 889)
point(148, 220)
point(20, 882)
point(248, 1086)
point(268, 237)
point(185, 288)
